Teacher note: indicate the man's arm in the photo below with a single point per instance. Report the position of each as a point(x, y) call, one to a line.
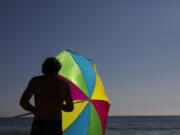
point(68, 106)
point(26, 96)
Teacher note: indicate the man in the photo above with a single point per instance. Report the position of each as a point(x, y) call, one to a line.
point(51, 95)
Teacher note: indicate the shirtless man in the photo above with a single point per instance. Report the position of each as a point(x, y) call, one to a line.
point(50, 94)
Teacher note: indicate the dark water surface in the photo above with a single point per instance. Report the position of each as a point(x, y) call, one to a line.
point(143, 125)
point(116, 125)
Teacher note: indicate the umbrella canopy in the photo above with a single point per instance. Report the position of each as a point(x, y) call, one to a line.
point(91, 102)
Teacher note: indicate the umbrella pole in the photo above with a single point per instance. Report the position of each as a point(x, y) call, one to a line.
point(15, 117)
point(81, 101)
point(26, 114)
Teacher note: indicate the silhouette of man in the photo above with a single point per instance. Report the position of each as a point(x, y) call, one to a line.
point(51, 95)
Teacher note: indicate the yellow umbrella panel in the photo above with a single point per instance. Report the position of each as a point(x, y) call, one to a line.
point(91, 102)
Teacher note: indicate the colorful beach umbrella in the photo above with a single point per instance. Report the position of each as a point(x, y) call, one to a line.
point(91, 104)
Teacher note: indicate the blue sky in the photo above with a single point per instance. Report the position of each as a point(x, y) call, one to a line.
point(135, 45)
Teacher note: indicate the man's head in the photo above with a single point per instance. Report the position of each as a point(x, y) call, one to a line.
point(51, 66)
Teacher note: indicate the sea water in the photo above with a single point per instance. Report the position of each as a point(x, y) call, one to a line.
point(143, 125)
point(116, 125)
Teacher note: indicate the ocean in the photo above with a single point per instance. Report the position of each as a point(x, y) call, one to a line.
point(116, 125)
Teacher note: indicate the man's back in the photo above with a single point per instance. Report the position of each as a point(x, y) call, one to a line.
point(49, 94)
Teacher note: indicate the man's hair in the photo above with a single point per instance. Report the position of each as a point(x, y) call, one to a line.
point(51, 65)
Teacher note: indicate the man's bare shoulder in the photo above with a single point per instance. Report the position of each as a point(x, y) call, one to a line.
point(62, 81)
point(56, 78)
point(35, 78)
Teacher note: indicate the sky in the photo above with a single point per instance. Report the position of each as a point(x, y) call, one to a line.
point(134, 43)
